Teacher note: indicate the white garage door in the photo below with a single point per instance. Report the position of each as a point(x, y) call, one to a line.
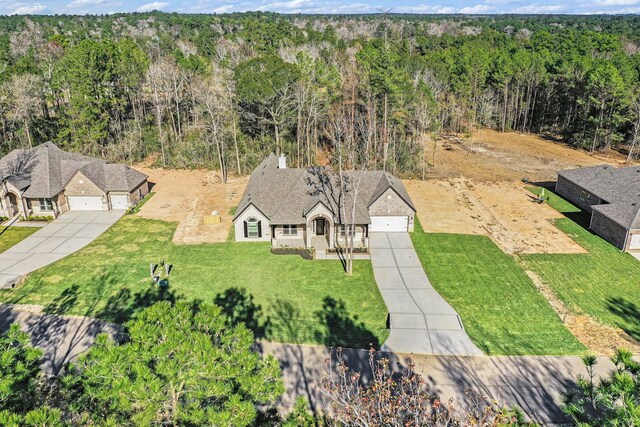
point(389, 223)
point(119, 201)
point(634, 243)
point(85, 203)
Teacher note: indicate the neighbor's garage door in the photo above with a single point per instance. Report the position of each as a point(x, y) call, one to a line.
point(119, 201)
point(85, 203)
point(634, 243)
point(389, 223)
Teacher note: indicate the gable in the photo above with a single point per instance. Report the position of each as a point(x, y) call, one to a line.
point(390, 203)
point(319, 209)
point(80, 185)
point(251, 211)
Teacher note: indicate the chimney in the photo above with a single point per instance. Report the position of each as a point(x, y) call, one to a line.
point(282, 162)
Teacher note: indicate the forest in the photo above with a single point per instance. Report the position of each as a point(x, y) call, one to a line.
point(222, 91)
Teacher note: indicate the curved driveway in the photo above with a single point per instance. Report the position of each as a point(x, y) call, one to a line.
point(65, 235)
point(421, 321)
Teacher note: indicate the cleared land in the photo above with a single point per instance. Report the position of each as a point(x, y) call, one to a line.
point(284, 298)
point(476, 187)
point(502, 311)
point(186, 197)
point(9, 236)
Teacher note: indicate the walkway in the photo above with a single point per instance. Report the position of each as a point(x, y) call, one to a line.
point(62, 338)
point(534, 383)
point(420, 320)
point(63, 236)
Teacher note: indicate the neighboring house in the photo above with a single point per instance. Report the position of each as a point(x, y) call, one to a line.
point(46, 181)
point(305, 208)
point(612, 196)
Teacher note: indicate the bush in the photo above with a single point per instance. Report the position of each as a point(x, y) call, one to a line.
point(38, 218)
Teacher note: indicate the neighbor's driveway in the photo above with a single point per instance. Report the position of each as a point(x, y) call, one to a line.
point(421, 321)
point(63, 236)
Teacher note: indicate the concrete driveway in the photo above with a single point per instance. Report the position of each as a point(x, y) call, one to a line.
point(65, 235)
point(421, 321)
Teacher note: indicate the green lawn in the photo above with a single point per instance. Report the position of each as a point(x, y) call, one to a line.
point(284, 298)
point(605, 283)
point(9, 236)
point(502, 311)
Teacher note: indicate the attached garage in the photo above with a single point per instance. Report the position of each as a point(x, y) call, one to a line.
point(634, 242)
point(399, 224)
point(85, 203)
point(119, 201)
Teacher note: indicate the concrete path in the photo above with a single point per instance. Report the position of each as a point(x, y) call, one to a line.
point(421, 321)
point(63, 236)
point(62, 338)
point(533, 383)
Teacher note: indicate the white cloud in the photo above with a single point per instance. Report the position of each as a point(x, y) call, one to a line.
point(423, 8)
point(617, 2)
point(31, 9)
point(224, 9)
point(74, 4)
point(477, 9)
point(156, 5)
point(539, 8)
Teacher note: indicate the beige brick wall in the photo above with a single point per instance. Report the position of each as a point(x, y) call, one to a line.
point(80, 185)
point(390, 204)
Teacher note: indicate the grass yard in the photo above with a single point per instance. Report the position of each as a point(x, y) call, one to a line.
point(604, 283)
point(284, 298)
point(9, 236)
point(502, 311)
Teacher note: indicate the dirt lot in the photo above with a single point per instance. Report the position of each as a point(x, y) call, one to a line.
point(187, 196)
point(475, 187)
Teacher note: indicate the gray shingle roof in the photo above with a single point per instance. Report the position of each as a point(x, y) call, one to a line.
point(286, 196)
point(618, 188)
point(46, 170)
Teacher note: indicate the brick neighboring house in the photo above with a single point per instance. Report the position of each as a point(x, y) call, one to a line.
point(46, 181)
point(302, 207)
point(612, 196)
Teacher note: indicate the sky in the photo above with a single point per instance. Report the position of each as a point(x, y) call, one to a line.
point(9, 7)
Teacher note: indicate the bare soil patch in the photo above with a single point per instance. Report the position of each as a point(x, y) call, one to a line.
point(504, 211)
point(187, 196)
point(495, 156)
point(475, 186)
point(599, 338)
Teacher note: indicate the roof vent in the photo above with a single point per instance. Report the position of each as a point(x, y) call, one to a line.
point(282, 162)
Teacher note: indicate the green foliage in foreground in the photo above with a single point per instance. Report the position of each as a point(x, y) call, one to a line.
point(9, 236)
point(19, 370)
point(181, 365)
point(602, 283)
point(284, 297)
point(502, 311)
point(612, 401)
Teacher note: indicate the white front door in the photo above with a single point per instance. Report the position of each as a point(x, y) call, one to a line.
point(389, 223)
point(85, 203)
point(119, 201)
point(634, 243)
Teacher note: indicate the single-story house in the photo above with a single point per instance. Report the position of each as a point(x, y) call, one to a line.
point(46, 181)
point(612, 196)
point(316, 208)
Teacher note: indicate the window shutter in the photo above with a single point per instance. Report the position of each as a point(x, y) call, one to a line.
point(259, 229)
point(246, 233)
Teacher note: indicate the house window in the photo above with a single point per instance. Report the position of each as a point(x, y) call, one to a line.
point(46, 205)
point(290, 230)
point(347, 230)
point(585, 196)
point(252, 228)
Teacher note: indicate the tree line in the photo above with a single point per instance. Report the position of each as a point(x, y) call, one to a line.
point(221, 91)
